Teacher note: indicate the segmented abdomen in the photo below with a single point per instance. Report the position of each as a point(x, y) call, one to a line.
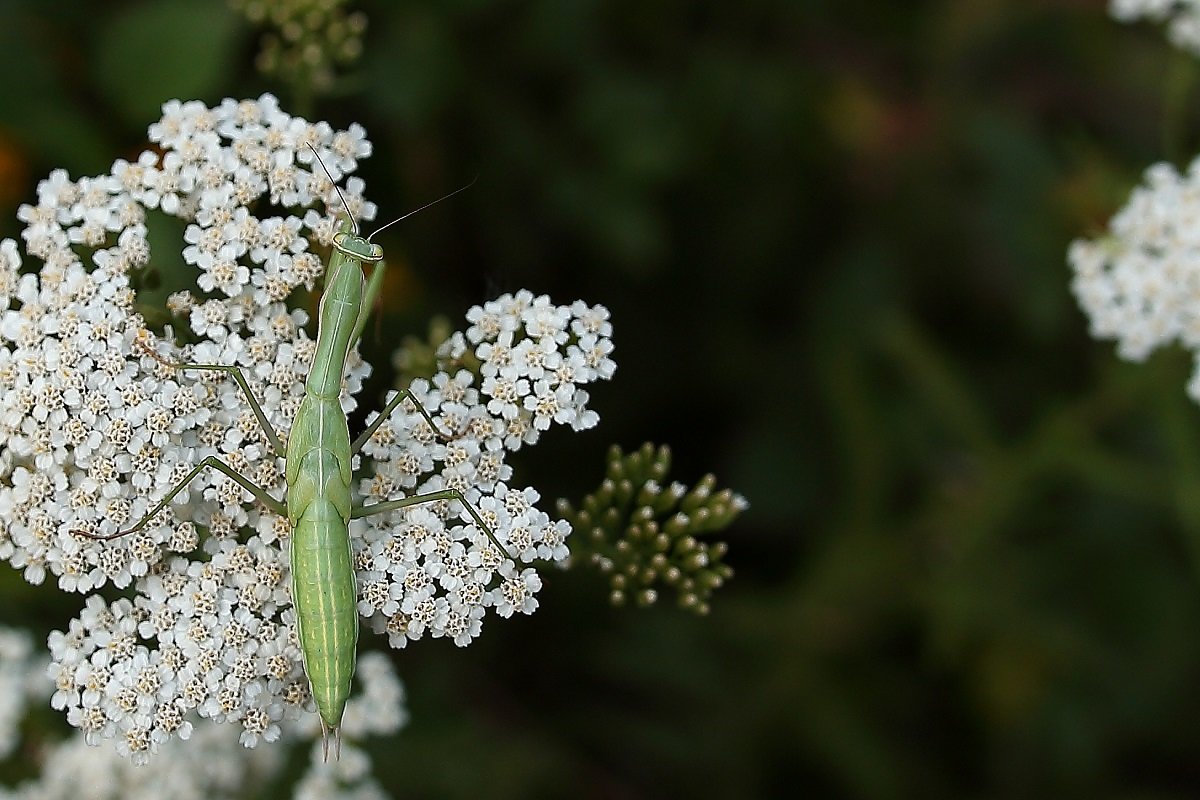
point(326, 614)
point(323, 589)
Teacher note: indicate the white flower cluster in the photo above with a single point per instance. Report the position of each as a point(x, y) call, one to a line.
point(416, 572)
point(1140, 284)
point(94, 431)
point(212, 764)
point(1182, 18)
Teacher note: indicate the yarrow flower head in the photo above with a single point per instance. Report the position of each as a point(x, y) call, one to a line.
point(96, 427)
point(1140, 284)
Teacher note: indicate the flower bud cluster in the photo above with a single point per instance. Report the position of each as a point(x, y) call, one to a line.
point(646, 535)
point(306, 38)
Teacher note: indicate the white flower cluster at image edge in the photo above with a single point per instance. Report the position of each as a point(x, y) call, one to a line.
point(1140, 283)
point(211, 765)
point(1182, 18)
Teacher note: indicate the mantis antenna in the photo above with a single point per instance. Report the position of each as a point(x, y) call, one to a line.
point(350, 215)
point(427, 205)
point(345, 205)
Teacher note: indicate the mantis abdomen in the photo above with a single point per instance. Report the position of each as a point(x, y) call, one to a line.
point(326, 618)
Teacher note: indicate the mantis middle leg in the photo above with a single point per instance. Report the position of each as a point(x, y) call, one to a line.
point(217, 464)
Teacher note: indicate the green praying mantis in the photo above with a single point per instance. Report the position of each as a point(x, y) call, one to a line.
point(318, 474)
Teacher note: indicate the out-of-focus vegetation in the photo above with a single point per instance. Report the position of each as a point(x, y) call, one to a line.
point(832, 237)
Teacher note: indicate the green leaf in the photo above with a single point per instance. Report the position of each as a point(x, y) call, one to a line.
point(157, 51)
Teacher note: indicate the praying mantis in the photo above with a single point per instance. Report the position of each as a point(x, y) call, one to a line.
point(318, 474)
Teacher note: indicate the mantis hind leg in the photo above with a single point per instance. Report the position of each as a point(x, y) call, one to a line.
point(430, 497)
point(211, 461)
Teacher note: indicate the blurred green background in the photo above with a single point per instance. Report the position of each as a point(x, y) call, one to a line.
point(832, 235)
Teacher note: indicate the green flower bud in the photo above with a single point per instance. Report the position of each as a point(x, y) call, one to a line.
point(651, 532)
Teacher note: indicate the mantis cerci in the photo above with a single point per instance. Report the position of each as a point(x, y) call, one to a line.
point(318, 474)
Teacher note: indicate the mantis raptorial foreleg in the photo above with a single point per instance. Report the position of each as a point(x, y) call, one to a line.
point(374, 284)
point(370, 295)
point(215, 463)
